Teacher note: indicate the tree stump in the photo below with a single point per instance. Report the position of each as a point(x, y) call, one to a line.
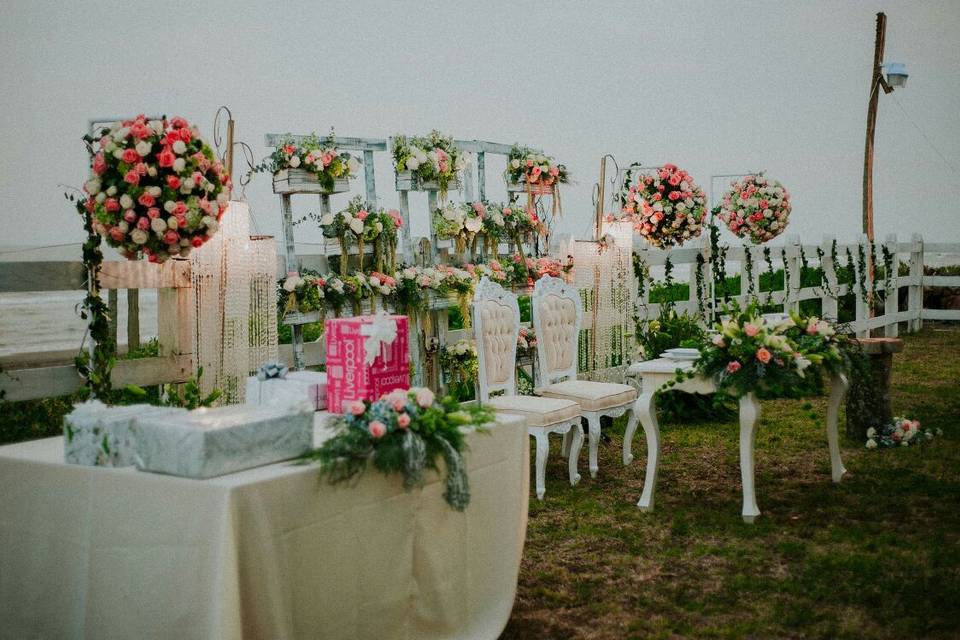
point(868, 400)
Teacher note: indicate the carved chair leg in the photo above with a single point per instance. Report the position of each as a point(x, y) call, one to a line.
point(565, 447)
point(576, 442)
point(543, 448)
point(633, 418)
point(749, 416)
point(593, 424)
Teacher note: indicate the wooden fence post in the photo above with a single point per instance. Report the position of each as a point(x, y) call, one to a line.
point(133, 319)
point(915, 289)
point(175, 313)
point(830, 304)
point(862, 316)
point(791, 286)
point(891, 301)
point(113, 307)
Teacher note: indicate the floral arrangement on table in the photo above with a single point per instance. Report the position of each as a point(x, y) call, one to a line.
point(320, 158)
point(526, 342)
point(750, 353)
point(156, 188)
point(459, 222)
point(460, 363)
point(430, 158)
point(526, 166)
point(819, 342)
point(666, 208)
point(901, 432)
point(406, 432)
point(365, 223)
point(757, 208)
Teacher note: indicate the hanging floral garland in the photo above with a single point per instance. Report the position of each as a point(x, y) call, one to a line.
point(666, 208)
point(157, 188)
point(432, 158)
point(756, 208)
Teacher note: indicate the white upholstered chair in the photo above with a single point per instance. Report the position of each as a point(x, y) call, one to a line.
point(496, 325)
point(557, 314)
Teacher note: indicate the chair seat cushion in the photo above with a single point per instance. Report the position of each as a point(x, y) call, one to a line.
point(591, 396)
point(539, 412)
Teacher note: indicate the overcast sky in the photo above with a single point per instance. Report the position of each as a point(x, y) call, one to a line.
point(715, 87)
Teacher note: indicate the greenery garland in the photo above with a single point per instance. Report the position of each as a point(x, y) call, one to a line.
point(786, 274)
point(862, 275)
point(641, 272)
point(748, 272)
point(766, 258)
point(700, 286)
point(888, 267)
point(718, 263)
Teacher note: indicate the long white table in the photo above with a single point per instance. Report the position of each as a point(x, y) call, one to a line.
point(654, 376)
point(271, 552)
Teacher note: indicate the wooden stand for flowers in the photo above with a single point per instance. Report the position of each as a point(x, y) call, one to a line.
point(406, 182)
point(537, 188)
point(868, 401)
point(289, 181)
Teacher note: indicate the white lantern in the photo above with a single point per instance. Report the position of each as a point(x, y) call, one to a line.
point(896, 74)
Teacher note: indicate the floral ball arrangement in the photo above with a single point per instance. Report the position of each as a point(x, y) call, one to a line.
point(757, 208)
point(666, 208)
point(157, 188)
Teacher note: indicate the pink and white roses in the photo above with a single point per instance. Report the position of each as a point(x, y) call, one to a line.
point(156, 188)
point(531, 167)
point(757, 208)
point(666, 208)
point(321, 158)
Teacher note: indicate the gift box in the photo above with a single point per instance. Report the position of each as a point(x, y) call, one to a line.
point(367, 356)
point(295, 387)
point(98, 435)
point(204, 443)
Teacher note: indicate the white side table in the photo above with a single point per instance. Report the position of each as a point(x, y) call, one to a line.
point(655, 374)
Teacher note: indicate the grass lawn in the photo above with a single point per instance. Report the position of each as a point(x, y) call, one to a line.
point(877, 556)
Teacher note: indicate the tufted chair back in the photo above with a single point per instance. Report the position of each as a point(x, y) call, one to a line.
point(557, 314)
point(496, 325)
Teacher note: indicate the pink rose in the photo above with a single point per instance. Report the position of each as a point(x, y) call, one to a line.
point(398, 403)
point(763, 355)
point(425, 397)
point(130, 216)
point(377, 429)
point(112, 204)
point(132, 177)
point(179, 123)
point(180, 209)
point(751, 330)
point(153, 212)
point(117, 234)
point(357, 407)
point(173, 182)
point(166, 159)
point(733, 367)
point(143, 223)
point(146, 200)
point(403, 420)
point(362, 214)
point(171, 237)
point(197, 243)
point(555, 171)
point(130, 156)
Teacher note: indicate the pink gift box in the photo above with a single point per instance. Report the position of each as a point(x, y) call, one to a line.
point(349, 377)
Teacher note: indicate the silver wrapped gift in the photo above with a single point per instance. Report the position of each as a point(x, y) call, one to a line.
point(211, 442)
point(95, 434)
point(295, 387)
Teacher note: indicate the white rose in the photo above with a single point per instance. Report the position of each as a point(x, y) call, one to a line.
point(327, 219)
point(473, 224)
point(498, 220)
point(223, 197)
point(169, 206)
point(871, 444)
point(515, 163)
point(374, 281)
point(123, 226)
point(184, 242)
point(385, 290)
point(118, 154)
point(92, 186)
point(156, 125)
point(154, 191)
point(179, 164)
point(904, 444)
point(294, 162)
point(187, 185)
point(172, 223)
point(291, 283)
point(379, 227)
point(121, 133)
point(179, 147)
point(143, 147)
point(413, 164)
point(152, 171)
point(126, 201)
point(210, 222)
point(139, 236)
point(356, 225)
point(353, 165)
point(159, 225)
point(101, 197)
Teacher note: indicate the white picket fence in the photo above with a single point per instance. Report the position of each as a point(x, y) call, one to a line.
point(885, 319)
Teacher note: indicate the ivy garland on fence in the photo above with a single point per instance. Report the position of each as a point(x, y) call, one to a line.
point(668, 302)
point(786, 275)
point(873, 261)
point(862, 275)
point(748, 272)
point(888, 267)
point(700, 286)
point(718, 264)
point(766, 258)
point(641, 272)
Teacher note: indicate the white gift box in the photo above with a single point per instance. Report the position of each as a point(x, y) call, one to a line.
point(296, 387)
point(95, 434)
point(211, 442)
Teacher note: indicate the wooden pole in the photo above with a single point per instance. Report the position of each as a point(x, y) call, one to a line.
point(598, 222)
point(875, 83)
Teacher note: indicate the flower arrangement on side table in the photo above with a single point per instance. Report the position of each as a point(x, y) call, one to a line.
point(432, 158)
point(666, 208)
point(156, 189)
point(406, 432)
point(364, 223)
point(757, 208)
point(901, 432)
point(459, 222)
point(322, 159)
point(535, 172)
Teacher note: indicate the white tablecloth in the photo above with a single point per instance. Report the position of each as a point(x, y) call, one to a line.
point(268, 553)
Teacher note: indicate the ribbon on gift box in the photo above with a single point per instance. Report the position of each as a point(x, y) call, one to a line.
point(270, 370)
point(382, 331)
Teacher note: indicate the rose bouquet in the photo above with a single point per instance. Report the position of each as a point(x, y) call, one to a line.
point(311, 292)
point(319, 158)
point(901, 432)
point(666, 208)
point(750, 353)
point(492, 269)
point(432, 158)
point(364, 223)
point(157, 188)
point(526, 166)
point(526, 342)
point(756, 208)
point(404, 432)
point(819, 342)
point(460, 223)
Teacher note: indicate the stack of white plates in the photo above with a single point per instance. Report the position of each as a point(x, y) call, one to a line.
point(681, 354)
